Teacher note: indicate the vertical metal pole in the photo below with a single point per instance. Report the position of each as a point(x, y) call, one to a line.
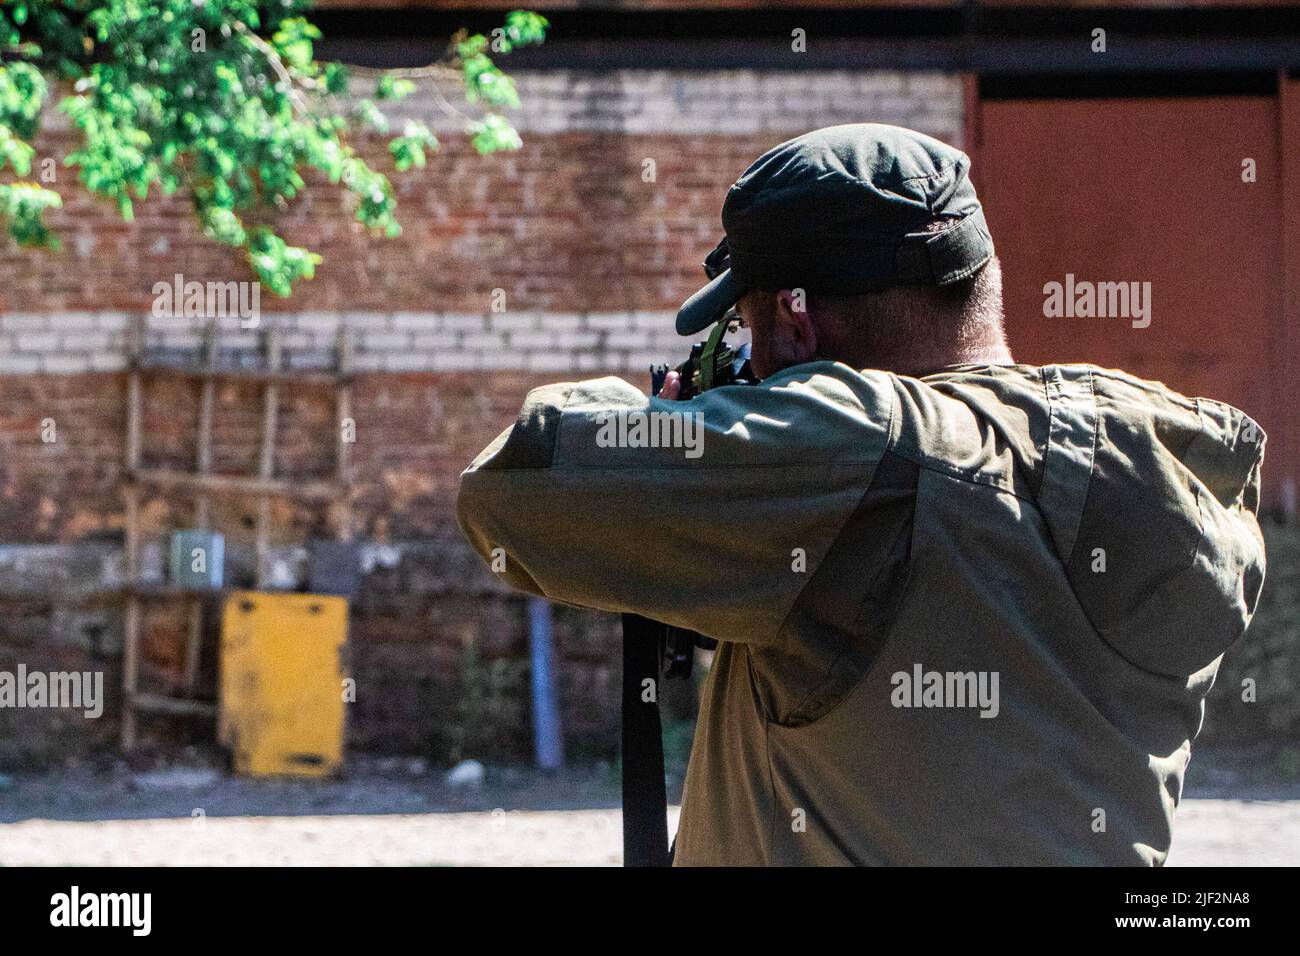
point(131, 624)
point(548, 737)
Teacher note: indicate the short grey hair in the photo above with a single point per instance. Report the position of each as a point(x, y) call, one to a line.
point(903, 319)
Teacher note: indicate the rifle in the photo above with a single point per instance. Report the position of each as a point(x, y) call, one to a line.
point(652, 650)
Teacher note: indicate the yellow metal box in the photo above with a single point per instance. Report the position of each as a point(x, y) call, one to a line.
point(282, 683)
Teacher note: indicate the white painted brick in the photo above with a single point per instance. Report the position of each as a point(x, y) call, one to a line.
point(483, 340)
point(318, 322)
point(84, 341)
point(641, 361)
point(107, 362)
point(504, 359)
point(532, 340)
point(384, 341)
point(436, 341)
point(461, 322)
point(297, 340)
point(789, 100)
point(803, 104)
point(933, 84)
point(172, 323)
point(112, 321)
point(639, 125)
point(228, 324)
point(578, 340)
point(610, 320)
point(627, 340)
point(550, 361)
point(654, 321)
point(37, 342)
point(543, 124)
point(248, 341)
point(885, 81)
point(175, 340)
point(65, 364)
point(948, 129)
point(894, 106)
point(417, 321)
point(561, 322)
point(406, 362)
point(455, 361)
point(24, 322)
point(72, 321)
point(512, 321)
point(671, 352)
point(368, 321)
point(18, 364)
point(736, 124)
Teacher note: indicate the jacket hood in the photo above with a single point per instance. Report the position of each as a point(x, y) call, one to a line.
point(1168, 560)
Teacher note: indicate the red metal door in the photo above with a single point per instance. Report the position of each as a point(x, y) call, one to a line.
point(1147, 191)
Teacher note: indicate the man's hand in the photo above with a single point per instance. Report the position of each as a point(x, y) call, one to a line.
point(672, 386)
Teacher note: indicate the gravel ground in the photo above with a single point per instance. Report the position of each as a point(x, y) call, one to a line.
point(1209, 833)
point(401, 814)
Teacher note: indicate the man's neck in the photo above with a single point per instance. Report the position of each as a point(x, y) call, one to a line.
point(920, 365)
point(987, 357)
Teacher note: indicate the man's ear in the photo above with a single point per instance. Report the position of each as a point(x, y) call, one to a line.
point(799, 332)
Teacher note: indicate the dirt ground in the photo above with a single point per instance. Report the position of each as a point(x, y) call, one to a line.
point(400, 813)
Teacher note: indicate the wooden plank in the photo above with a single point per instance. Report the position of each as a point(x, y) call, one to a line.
point(135, 343)
point(207, 400)
point(131, 625)
point(161, 704)
point(253, 376)
point(238, 484)
point(266, 465)
point(203, 465)
point(346, 430)
point(144, 592)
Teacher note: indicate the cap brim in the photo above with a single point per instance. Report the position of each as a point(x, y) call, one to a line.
point(709, 304)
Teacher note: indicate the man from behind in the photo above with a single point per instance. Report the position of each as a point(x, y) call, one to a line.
point(968, 610)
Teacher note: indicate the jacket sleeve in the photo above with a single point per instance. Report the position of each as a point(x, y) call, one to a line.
point(708, 514)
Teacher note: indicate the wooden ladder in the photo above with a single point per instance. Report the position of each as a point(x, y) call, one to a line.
point(203, 484)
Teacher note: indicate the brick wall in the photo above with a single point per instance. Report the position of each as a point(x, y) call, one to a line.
point(566, 224)
point(585, 258)
point(70, 342)
point(425, 602)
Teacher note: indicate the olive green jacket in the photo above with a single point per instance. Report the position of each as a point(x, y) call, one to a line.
point(969, 618)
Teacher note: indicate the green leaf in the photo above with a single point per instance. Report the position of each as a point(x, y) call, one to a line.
point(393, 88)
point(236, 124)
point(492, 134)
point(23, 207)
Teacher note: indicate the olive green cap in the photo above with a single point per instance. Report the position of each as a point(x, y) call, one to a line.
point(840, 211)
